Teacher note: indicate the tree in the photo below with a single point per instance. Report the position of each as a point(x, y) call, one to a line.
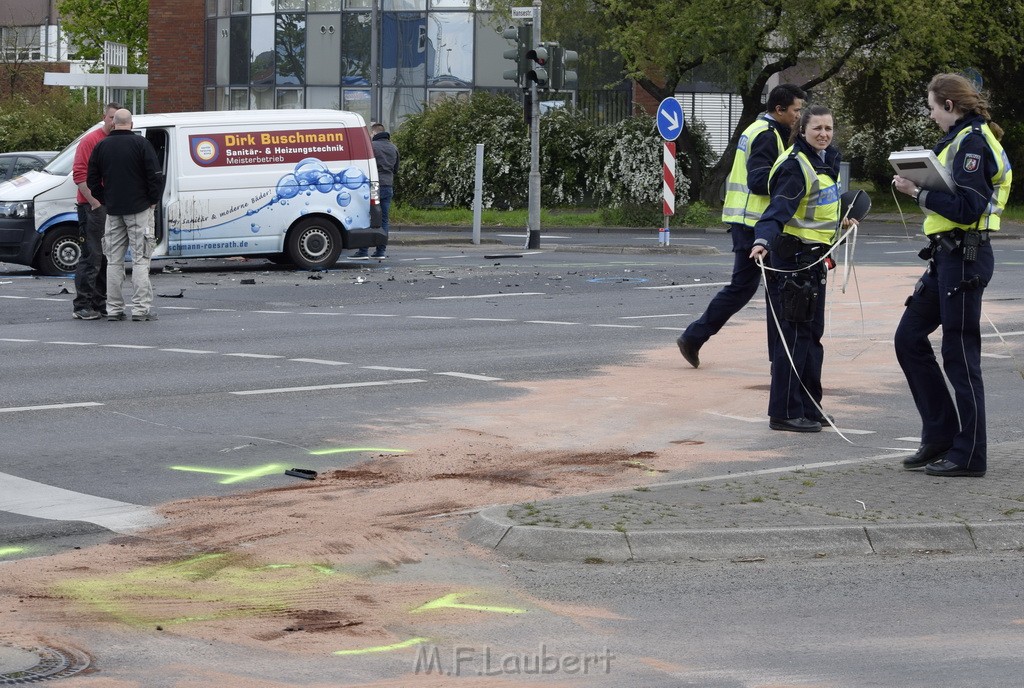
point(741, 44)
point(89, 23)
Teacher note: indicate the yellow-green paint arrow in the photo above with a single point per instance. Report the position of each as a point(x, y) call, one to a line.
point(383, 648)
point(452, 602)
point(234, 475)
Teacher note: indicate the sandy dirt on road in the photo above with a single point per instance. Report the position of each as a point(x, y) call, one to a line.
point(301, 569)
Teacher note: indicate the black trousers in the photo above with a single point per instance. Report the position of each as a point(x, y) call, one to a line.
point(746, 278)
point(91, 275)
point(948, 296)
point(788, 398)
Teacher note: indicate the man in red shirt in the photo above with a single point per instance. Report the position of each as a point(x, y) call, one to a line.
point(91, 275)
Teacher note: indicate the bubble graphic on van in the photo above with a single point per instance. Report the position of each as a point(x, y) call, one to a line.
point(353, 178)
point(344, 198)
point(288, 186)
point(254, 228)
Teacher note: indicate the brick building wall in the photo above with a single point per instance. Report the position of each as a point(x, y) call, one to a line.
point(177, 31)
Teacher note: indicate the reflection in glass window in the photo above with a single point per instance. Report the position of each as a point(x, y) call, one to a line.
point(261, 69)
point(358, 100)
point(261, 98)
point(262, 6)
point(404, 5)
point(239, 99)
point(449, 4)
point(403, 57)
point(355, 49)
point(211, 8)
point(291, 5)
point(358, 4)
point(211, 51)
point(290, 45)
point(399, 103)
point(289, 98)
point(450, 49)
point(324, 5)
point(435, 96)
point(239, 6)
point(239, 50)
point(210, 101)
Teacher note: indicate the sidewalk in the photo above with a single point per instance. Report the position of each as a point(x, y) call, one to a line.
point(864, 506)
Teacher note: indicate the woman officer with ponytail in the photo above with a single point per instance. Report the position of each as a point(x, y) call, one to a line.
point(795, 232)
point(959, 225)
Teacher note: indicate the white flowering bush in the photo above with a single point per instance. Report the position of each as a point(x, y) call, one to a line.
point(869, 146)
point(612, 166)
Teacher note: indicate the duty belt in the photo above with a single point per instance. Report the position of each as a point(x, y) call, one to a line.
point(957, 235)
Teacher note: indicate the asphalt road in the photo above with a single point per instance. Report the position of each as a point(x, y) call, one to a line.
point(254, 367)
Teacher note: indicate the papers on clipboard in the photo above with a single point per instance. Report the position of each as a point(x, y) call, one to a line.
point(922, 168)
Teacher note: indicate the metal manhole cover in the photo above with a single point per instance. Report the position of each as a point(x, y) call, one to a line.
point(43, 663)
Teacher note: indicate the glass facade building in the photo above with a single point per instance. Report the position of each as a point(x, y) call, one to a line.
point(381, 58)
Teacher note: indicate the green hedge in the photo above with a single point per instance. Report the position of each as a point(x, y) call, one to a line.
point(615, 167)
point(47, 125)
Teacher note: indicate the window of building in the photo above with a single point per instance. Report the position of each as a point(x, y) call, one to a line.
point(290, 46)
point(21, 43)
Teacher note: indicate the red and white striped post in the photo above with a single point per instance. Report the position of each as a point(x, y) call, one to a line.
point(668, 166)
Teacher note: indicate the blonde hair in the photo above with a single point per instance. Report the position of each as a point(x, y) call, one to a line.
point(965, 97)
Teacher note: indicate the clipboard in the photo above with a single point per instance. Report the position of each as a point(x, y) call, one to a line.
point(922, 168)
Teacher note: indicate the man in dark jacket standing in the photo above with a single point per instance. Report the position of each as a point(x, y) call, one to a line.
point(124, 175)
point(386, 154)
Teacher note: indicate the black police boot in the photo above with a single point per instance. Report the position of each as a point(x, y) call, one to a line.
point(924, 455)
point(689, 349)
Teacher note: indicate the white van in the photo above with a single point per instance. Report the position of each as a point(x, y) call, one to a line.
point(296, 186)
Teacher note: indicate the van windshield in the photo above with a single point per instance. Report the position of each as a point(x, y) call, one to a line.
point(62, 165)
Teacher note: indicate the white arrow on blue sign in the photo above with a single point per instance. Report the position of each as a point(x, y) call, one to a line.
point(670, 119)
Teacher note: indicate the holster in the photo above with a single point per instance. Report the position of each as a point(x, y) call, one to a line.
point(799, 298)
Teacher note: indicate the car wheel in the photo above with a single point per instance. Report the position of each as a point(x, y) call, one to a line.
point(60, 252)
point(314, 243)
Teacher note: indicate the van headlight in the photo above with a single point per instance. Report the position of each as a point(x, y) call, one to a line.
point(16, 209)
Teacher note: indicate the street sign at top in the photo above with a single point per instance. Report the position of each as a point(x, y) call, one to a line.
point(522, 13)
point(670, 119)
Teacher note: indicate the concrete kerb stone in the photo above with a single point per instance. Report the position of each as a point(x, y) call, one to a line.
point(491, 528)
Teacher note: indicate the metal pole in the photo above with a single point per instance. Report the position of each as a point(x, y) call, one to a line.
point(478, 193)
point(533, 235)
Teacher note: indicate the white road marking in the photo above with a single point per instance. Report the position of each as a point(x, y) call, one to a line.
point(73, 343)
point(551, 322)
point(996, 356)
point(127, 346)
point(908, 439)
point(397, 370)
point(1003, 334)
point(5, 296)
point(374, 315)
point(47, 407)
point(670, 329)
point(432, 317)
point(667, 315)
point(488, 296)
point(319, 361)
point(316, 388)
point(472, 319)
point(29, 498)
point(189, 351)
point(470, 376)
point(254, 355)
point(689, 286)
point(220, 310)
point(320, 313)
point(11, 339)
point(274, 312)
point(627, 327)
point(178, 308)
point(57, 300)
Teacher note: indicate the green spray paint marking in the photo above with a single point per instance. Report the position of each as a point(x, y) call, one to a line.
point(8, 551)
point(350, 450)
point(384, 648)
point(452, 602)
point(236, 475)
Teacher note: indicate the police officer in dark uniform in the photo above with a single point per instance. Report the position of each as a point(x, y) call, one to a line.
point(795, 232)
point(746, 198)
point(959, 226)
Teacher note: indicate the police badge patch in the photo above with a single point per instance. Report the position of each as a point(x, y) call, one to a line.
point(972, 161)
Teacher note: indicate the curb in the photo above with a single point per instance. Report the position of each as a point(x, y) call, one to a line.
point(51, 530)
point(491, 528)
point(681, 249)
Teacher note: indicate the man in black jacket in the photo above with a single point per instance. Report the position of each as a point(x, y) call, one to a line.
point(124, 175)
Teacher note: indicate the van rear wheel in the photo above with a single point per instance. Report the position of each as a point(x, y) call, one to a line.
point(314, 243)
point(60, 252)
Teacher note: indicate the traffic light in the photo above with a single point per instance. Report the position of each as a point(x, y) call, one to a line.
point(570, 78)
point(521, 36)
point(538, 71)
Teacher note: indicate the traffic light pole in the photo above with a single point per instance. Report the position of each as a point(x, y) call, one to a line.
point(533, 190)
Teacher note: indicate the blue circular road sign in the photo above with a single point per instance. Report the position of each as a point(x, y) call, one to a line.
point(670, 119)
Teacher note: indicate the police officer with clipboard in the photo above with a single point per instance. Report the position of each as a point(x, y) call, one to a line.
point(959, 227)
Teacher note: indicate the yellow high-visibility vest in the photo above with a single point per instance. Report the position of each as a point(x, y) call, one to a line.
point(989, 220)
point(742, 207)
point(818, 213)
